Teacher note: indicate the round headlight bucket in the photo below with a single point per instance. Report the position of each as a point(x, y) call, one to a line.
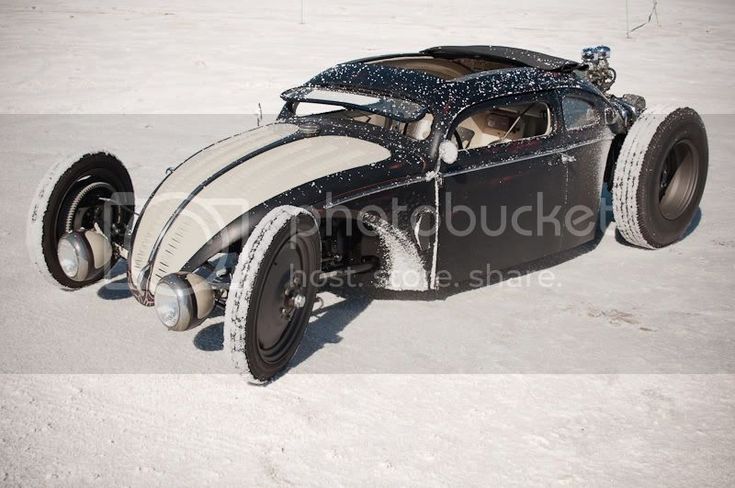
point(83, 255)
point(183, 300)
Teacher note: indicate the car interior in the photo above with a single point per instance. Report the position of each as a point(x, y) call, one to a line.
point(482, 128)
point(503, 124)
point(418, 130)
point(446, 69)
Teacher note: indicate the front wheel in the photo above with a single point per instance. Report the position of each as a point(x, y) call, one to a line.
point(272, 292)
point(93, 193)
point(659, 177)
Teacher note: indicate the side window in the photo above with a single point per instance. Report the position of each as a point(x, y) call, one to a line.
point(579, 113)
point(504, 123)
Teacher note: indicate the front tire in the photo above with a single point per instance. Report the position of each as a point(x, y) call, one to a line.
point(660, 176)
point(272, 292)
point(72, 197)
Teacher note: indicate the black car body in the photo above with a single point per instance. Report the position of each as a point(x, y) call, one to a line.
point(412, 171)
point(564, 167)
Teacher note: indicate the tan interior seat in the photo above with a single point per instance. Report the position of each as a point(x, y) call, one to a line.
point(490, 127)
point(500, 125)
point(421, 129)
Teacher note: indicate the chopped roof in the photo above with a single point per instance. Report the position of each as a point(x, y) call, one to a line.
point(432, 91)
point(504, 54)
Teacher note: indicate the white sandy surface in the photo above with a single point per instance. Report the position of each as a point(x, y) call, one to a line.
point(620, 374)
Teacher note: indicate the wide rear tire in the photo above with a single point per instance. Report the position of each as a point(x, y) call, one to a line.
point(660, 176)
point(72, 196)
point(272, 292)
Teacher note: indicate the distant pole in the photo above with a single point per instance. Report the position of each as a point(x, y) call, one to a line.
point(302, 12)
point(654, 12)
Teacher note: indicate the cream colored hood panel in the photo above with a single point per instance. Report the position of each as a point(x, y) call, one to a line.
point(252, 183)
point(188, 176)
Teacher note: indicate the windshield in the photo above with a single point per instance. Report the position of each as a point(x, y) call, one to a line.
point(400, 110)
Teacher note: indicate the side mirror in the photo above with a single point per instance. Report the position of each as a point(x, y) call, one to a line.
point(448, 151)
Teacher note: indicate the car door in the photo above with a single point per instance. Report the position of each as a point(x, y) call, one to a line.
point(587, 120)
point(500, 202)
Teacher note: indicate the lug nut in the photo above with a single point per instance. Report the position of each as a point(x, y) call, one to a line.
point(299, 301)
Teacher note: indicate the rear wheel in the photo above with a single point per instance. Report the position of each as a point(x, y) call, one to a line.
point(660, 176)
point(272, 292)
point(92, 193)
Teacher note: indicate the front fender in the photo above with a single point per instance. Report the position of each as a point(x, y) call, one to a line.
point(220, 212)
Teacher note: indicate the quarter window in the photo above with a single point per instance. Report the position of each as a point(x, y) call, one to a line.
point(505, 123)
point(579, 113)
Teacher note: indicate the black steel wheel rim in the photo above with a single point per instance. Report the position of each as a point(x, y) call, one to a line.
point(278, 318)
point(678, 179)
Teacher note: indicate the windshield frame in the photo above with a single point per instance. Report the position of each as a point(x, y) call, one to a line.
point(404, 111)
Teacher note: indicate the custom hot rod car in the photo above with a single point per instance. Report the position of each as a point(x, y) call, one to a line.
point(397, 171)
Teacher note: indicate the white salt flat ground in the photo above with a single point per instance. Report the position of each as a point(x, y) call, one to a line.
point(622, 374)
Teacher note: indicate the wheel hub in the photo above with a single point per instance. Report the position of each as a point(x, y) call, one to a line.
point(667, 175)
point(283, 300)
point(293, 298)
point(678, 180)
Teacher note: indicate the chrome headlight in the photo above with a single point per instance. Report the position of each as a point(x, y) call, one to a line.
point(68, 257)
point(167, 305)
point(183, 300)
point(83, 255)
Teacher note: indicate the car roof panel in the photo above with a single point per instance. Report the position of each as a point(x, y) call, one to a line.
point(530, 72)
point(510, 55)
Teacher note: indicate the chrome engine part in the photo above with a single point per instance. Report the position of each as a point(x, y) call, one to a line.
point(599, 72)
